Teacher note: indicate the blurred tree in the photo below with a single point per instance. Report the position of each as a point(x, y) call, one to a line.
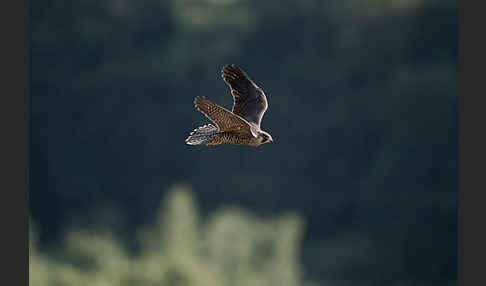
point(232, 247)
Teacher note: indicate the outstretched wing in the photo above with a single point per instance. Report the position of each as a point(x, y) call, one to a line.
point(249, 100)
point(223, 118)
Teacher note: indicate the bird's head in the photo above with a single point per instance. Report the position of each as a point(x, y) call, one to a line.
point(264, 137)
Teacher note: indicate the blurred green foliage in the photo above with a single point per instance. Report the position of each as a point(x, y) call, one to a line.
point(232, 247)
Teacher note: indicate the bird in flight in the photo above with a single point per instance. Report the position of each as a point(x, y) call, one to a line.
point(241, 126)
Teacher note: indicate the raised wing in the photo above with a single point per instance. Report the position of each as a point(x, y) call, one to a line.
point(249, 100)
point(223, 118)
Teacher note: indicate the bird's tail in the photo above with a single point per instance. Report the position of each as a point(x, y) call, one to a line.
point(203, 135)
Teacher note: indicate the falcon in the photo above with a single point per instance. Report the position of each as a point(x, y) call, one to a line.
point(241, 126)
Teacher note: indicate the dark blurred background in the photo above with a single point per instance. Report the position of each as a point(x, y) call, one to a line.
point(362, 107)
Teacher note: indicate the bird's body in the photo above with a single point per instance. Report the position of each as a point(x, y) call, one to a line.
point(235, 139)
point(241, 126)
